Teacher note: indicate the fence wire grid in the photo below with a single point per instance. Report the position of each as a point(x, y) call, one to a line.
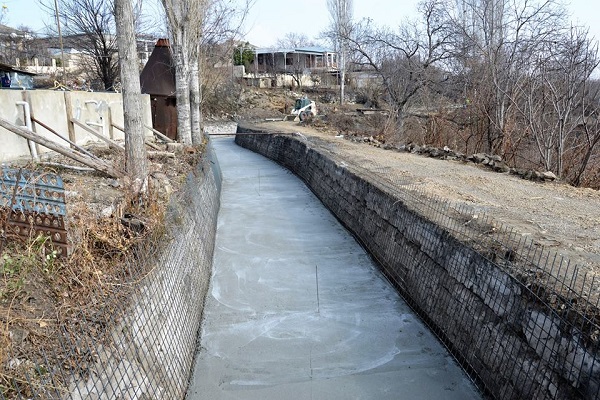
point(522, 320)
point(561, 321)
point(534, 325)
point(139, 344)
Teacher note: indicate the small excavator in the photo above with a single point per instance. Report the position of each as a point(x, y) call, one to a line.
point(303, 110)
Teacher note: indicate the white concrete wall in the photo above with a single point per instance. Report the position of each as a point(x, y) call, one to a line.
point(11, 145)
point(280, 80)
point(49, 107)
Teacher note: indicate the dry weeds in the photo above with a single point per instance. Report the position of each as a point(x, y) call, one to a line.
point(52, 309)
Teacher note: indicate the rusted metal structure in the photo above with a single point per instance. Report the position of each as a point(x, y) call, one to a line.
point(33, 204)
point(158, 80)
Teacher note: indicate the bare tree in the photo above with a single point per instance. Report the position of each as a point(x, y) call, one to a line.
point(219, 92)
point(18, 43)
point(184, 20)
point(589, 141)
point(191, 24)
point(497, 40)
point(341, 12)
point(406, 61)
point(88, 26)
point(293, 40)
point(220, 24)
point(136, 161)
point(556, 104)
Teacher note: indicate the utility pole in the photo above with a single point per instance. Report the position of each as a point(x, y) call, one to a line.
point(62, 50)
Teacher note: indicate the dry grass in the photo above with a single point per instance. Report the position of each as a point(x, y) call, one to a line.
point(52, 309)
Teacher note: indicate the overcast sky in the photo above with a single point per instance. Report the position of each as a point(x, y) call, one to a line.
point(271, 19)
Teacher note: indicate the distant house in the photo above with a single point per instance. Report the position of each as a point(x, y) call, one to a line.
point(306, 59)
point(14, 43)
point(303, 64)
point(49, 57)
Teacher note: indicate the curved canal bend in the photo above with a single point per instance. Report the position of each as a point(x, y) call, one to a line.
point(296, 308)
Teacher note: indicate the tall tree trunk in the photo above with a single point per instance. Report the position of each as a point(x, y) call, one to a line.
point(136, 162)
point(182, 87)
point(195, 101)
point(343, 74)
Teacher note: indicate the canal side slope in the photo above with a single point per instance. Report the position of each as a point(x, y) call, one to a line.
point(554, 215)
point(506, 313)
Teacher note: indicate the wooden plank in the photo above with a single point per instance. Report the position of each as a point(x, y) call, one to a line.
point(74, 145)
point(119, 127)
point(111, 143)
point(69, 109)
point(157, 133)
point(151, 145)
point(160, 135)
point(97, 164)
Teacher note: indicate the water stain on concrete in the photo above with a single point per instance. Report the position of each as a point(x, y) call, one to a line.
point(296, 308)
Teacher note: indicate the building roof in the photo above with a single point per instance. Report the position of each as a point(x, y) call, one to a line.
point(158, 76)
point(14, 33)
point(300, 50)
point(9, 68)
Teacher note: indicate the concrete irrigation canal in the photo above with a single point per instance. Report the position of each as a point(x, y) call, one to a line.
point(296, 308)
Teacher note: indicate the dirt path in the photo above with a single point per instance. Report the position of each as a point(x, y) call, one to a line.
point(557, 216)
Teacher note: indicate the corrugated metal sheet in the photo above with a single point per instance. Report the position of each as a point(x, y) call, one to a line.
point(34, 204)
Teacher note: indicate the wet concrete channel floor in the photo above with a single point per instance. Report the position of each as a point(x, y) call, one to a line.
point(297, 310)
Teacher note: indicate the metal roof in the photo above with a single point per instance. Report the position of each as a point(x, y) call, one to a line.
point(301, 50)
point(158, 75)
point(10, 68)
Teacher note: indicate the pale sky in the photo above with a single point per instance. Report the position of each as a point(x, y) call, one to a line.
point(271, 19)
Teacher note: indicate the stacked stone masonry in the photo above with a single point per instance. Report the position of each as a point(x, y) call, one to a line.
point(514, 347)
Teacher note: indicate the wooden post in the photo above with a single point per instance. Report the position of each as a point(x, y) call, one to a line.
point(69, 110)
point(111, 143)
point(111, 132)
point(97, 164)
point(160, 135)
point(155, 147)
point(73, 144)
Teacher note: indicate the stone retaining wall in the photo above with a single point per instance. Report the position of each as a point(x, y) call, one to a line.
point(494, 324)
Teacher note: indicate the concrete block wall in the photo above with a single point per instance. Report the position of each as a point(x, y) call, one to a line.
point(494, 325)
point(50, 107)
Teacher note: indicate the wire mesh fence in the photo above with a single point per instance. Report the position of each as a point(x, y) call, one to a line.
point(555, 314)
point(522, 320)
point(139, 341)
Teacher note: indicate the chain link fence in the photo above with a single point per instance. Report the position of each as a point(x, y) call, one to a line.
point(139, 343)
point(522, 320)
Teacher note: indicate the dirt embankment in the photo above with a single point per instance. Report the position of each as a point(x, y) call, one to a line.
point(554, 215)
